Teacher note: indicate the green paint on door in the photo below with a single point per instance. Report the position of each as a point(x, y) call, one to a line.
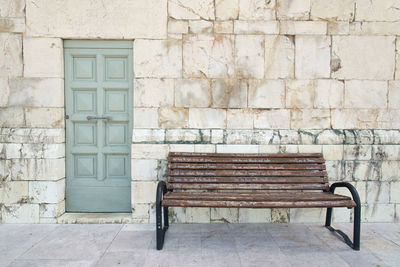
point(98, 86)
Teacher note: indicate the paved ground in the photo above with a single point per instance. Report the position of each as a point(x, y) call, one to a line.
point(195, 245)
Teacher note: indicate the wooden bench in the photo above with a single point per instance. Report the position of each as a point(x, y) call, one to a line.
point(252, 181)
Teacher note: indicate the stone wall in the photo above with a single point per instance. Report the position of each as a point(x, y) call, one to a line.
point(213, 76)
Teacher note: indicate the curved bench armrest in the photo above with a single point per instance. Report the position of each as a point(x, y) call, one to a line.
point(351, 188)
point(161, 190)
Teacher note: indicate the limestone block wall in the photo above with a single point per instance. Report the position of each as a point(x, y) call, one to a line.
point(212, 76)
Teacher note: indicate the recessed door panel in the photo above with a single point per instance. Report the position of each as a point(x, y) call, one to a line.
point(98, 86)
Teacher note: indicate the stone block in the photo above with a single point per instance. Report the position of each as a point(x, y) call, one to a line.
point(217, 136)
point(20, 213)
point(354, 118)
point(326, 10)
point(14, 192)
point(37, 169)
point(226, 9)
point(375, 28)
point(143, 192)
point(313, 215)
point(329, 94)
point(367, 170)
point(43, 57)
point(390, 171)
point(170, 117)
point(183, 135)
point(378, 213)
point(299, 93)
point(16, 25)
point(310, 148)
point(145, 118)
point(387, 137)
point(280, 215)
point(47, 191)
point(140, 211)
point(330, 137)
point(312, 57)
point(237, 148)
point(144, 169)
point(51, 210)
point(181, 148)
point(332, 152)
point(192, 9)
point(153, 92)
point(177, 215)
point(342, 215)
point(279, 57)
point(34, 92)
point(201, 26)
point(198, 215)
point(158, 58)
point(204, 148)
point(338, 28)
point(254, 215)
point(35, 136)
point(378, 192)
point(224, 215)
point(12, 8)
point(120, 19)
point(44, 117)
point(294, 10)
point(239, 119)
point(149, 151)
point(255, 27)
point(266, 94)
point(268, 149)
point(289, 137)
point(208, 56)
point(207, 118)
point(249, 60)
point(257, 10)
point(303, 27)
point(11, 56)
point(394, 94)
point(333, 168)
point(388, 10)
point(223, 26)
point(12, 117)
point(365, 94)
point(178, 26)
point(239, 136)
point(229, 93)
point(148, 135)
point(386, 152)
point(397, 72)
point(192, 93)
point(272, 119)
point(4, 92)
point(263, 137)
point(310, 119)
point(309, 137)
point(288, 149)
point(357, 152)
point(376, 52)
point(395, 192)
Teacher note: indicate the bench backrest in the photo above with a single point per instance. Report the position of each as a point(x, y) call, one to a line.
point(297, 171)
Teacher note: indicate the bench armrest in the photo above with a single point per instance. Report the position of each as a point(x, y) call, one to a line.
point(161, 190)
point(351, 188)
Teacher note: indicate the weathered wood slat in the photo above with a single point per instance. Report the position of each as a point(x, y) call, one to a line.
point(222, 166)
point(244, 179)
point(258, 204)
point(254, 196)
point(236, 186)
point(231, 173)
point(244, 155)
point(256, 160)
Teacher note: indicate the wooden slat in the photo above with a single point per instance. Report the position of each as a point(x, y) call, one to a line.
point(207, 166)
point(255, 196)
point(244, 155)
point(244, 179)
point(231, 173)
point(258, 204)
point(225, 186)
point(256, 160)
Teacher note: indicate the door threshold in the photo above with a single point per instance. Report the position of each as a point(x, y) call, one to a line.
point(95, 218)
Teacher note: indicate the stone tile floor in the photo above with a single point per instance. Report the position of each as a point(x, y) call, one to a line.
point(195, 245)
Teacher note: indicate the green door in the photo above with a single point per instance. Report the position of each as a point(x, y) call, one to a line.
point(98, 86)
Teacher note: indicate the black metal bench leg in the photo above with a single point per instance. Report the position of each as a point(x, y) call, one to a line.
point(357, 217)
point(160, 230)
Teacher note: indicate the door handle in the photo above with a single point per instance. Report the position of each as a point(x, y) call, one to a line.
point(103, 117)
